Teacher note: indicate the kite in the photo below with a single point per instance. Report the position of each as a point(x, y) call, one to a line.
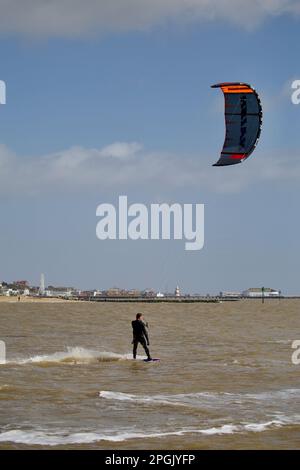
point(243, 119)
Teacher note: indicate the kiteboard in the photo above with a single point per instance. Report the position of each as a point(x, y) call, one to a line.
point(154, 359)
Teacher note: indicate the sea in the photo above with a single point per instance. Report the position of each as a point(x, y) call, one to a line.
point(225, 379)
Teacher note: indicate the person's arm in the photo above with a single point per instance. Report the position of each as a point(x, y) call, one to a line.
point(133, 332)
point(145, 333)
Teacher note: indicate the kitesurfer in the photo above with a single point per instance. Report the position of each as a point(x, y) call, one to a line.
point(140, 335)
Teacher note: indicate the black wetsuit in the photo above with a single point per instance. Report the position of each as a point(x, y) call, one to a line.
point(140, 335)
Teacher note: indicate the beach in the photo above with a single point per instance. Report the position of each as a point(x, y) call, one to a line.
point(28, 299)
point(225, 378)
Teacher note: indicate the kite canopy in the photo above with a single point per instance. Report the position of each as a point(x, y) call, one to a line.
point(243, 118)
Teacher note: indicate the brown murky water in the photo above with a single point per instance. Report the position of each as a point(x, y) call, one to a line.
point(225, 379)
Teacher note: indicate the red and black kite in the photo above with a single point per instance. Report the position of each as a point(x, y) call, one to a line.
point(243, 118)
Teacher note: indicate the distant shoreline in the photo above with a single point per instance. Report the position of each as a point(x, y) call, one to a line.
point(154, 300)
point(25, 299)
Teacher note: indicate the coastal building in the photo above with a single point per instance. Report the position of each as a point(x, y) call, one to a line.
point(14, 288)
point(159, 294)
point(97, 293)
point(261, 292)
point(149, 293)
point(230, 295)
point(11, 292)
point(21, 285)
point(59, 291)
point(85, 294)
point(133, 293)
point(115, 292)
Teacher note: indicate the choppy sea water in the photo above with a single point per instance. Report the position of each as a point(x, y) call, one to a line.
point(225, 379)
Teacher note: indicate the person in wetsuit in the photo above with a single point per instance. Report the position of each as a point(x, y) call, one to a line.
point(140, 335)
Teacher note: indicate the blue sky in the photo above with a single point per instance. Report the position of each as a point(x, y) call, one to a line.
point(79, 90)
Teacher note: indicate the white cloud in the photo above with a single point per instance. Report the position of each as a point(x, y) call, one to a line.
point(121, 150)
point(121, 166)
point(72, 18)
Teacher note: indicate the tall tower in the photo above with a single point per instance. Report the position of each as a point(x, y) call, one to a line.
point(42, 285)
point(177, 292)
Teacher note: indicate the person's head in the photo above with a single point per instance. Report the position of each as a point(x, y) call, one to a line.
point(139, 316)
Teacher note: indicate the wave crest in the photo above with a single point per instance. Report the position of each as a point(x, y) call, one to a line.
point(37, 437)
point(73, 355)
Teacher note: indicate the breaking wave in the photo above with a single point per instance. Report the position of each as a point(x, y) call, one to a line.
point(73, 355)
point(158, 399)
point(200, 399)
point(51, 438)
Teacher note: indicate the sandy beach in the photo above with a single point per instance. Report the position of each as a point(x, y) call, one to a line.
point(25, 299)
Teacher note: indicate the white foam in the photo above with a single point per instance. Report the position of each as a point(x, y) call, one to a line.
point(225, 429)
point(259, 427)
point(50, 438)
point(200, 399)
point(284, 394)
point(73, 355)
point(168, 399)
point(251, 427)
point(156, 399)
point(54, 439)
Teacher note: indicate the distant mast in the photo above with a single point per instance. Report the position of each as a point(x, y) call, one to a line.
point(177, 292)
point(42, 285)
